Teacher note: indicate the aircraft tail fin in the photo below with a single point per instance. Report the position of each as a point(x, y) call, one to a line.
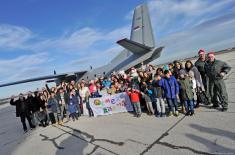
point(141, 31)
point(134, 47)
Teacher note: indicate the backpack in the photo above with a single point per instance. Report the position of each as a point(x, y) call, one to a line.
point(202, 98)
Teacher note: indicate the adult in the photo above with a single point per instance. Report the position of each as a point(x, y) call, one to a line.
point(216, 70)
point(37, 104)
point(63, 99)
point(177, 70)
point(54, 109)
point(22, 111)
point(200, 64)
point(85, 94)
point(196, 78)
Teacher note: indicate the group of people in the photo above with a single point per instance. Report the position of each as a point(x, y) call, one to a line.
point(162, 91)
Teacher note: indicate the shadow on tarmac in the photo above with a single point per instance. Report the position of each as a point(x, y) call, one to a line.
point(82, 140)
point(213, 146)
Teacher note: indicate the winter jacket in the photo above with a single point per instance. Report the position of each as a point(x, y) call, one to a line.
point(158, 91)
point(106, 83)
point(148, 95)
point(34, 103)
point(197, 77)
point(171, 87)
point(22, 107)
point(66, 97)
point(53, 105)
point(186, 89)
point(72, 107)
point(201, 67)
point(134, 96)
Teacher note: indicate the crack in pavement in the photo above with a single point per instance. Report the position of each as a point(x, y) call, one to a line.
point(135, 141)
point(161, 137)
point(183, 147)
point(158, 141)
point(92, 139)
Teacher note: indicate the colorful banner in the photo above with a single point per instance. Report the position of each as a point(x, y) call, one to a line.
point(111, 104)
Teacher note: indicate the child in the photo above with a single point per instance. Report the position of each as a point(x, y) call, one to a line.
point(53, 109)
point(147, 95)
point(72, 107)
point(186, 91)
point(135, 100)
point(158, 84)
point(171, 91)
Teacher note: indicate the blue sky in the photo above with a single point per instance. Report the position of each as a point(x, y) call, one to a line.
point(38, 36)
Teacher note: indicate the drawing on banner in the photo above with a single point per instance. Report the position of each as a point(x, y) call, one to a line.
point(111, 104)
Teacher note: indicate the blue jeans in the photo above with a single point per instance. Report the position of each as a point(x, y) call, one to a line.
point(173, 104)
point(189, 106)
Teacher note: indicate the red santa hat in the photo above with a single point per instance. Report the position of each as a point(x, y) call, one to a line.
point(201, 51)
point(211, 53)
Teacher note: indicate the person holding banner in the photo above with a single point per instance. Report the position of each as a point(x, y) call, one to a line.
point(85, 94)
point(135, 100)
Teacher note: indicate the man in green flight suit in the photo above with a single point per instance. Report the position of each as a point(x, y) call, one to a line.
point(216, 70)
point(200, 64)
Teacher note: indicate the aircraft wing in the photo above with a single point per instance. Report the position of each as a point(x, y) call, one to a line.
point(134, 47)
point(50, 77)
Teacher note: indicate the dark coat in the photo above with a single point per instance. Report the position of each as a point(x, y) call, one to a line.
point(66, 97)
point(72, 104)
point(53, 105)
point(34, 103)
point(22, 107)
point(201, 67)
point(158, 91)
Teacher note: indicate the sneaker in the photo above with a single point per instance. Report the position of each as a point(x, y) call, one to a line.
point(32, 127)
point(176, 113)
point(192, 113)
point(25, 131)
point(224, 109)
point(196, 106)
point(187, 113)
point(170, 113)
point(158, 116)
point(214, 107)
point(60, 123)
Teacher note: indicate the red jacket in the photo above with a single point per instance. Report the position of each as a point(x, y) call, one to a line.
point(134, 96)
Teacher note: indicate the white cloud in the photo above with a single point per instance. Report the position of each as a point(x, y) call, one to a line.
point(12, 37)
point(213, 35)
point(22, 66)
point(81, 41)
point(170, 16)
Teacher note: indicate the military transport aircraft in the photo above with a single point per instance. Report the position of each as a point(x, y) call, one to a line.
point(140, 48)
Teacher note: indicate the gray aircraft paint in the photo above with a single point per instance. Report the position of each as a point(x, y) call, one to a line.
point(142, 33)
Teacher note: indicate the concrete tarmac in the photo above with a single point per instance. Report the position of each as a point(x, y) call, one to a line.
point(209, 131)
